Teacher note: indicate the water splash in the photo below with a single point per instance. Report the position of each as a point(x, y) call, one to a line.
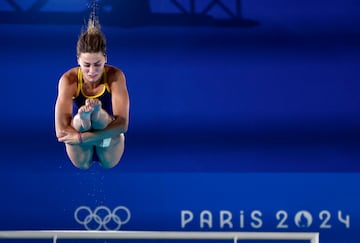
point(94, 6)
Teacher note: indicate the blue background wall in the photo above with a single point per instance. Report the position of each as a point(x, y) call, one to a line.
point(231, 118)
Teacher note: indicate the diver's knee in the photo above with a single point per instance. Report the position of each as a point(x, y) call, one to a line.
point(109, 164)
point(83, 165)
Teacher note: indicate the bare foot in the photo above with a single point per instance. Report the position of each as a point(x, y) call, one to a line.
point(99, 117)
point(96, 105)
point(85, 112)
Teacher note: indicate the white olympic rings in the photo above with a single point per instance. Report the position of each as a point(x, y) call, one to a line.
point(99, 219)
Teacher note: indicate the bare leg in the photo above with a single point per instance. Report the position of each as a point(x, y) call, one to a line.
point(80, 156)
point(92, 116)
point(110, 156)
point(82, 120)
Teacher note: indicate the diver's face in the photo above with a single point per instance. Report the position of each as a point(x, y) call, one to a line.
point(92, 65)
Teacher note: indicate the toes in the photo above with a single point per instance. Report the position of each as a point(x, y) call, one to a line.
point(85, 109)
point(88, 101)
point(81, 109)
point(89, 108)
point(93, 102)
point(98, 103)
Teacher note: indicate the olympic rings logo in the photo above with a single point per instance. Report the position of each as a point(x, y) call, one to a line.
point(102, 217)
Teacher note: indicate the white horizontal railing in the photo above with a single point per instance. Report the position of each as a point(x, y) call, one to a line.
point(157, 235)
